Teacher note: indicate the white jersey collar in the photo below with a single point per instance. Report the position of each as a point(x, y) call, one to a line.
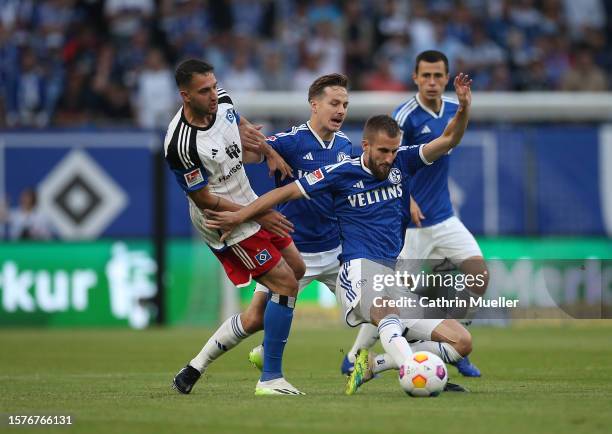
point(321, 142)
point(431, 112)
point(363, 166)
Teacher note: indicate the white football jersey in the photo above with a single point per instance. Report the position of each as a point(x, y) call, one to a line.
point(212, 157)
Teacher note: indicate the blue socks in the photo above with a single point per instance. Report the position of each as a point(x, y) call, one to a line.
point(277, 324)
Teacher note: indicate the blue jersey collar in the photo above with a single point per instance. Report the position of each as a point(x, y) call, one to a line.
point(321, 142)
point(432, 113)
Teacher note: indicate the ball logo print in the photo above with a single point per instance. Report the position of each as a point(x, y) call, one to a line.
point(263, 257)
point(395, 176)
point(423, 374)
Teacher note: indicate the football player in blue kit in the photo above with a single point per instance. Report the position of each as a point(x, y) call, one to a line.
point(316, 143)
point(367, 200)
point(434, 232)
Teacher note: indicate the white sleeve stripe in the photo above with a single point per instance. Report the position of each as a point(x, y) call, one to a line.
point(403, 113)
point(331, 167)
point(302, 189)
point(188, 157)
point(179, 146)
point(184, 149)
point(423, 156)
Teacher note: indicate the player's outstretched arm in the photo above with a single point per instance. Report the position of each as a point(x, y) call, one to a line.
point(227, 220)
point(271, 220)
point(453, 133)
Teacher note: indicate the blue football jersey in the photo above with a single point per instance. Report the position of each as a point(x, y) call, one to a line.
point(369, 211)
point(429, 187)
point(316, 225)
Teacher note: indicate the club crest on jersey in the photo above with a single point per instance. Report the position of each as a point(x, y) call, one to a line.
point(313, 177)
point(395, 176)
point(341, 156)
point(193, 178)
point(263, 257)
point(229, 115)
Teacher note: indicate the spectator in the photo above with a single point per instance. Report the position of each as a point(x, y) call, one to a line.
point(584, 75)
point(27, 222)
point(328, 47)
point(307, 73)
point(155, 100)
point(382, 78)
point(357, 37)
point(274, 75)
point(584, 14)
point(127, 17)
point(242, 77)
point(27, 93)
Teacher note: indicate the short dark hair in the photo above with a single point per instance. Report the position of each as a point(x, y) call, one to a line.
point(318, 86)
point(431, 56)
point(381, 123)
point(186, 69)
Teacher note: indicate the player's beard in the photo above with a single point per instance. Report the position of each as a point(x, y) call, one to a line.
point(380, 171)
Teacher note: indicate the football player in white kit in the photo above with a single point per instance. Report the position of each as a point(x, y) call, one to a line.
point(204, 151)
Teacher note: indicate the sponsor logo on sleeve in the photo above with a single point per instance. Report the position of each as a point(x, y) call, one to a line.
point(194, 177)
point(313, 177)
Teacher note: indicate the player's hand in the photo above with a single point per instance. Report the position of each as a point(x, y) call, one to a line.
point(251, 137)
point(463, 89)
point(415, 213)
point(276, 162)
point(224, 221)
point(275, 222)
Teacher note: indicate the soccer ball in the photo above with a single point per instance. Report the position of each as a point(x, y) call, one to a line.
point(423, 374)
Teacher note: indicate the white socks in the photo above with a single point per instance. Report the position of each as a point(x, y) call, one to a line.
point(384, 362)
point(395, 345)
point(445, 351)
point(366, 338)
point(225, 338)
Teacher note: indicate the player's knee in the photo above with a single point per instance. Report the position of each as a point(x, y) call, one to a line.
point(286, 285)
point(477, 269)
point(252, 321)
point(463, 344)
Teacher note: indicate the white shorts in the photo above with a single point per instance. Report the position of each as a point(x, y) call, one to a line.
point(322, 267)
point(357, 289)
point(448, 239)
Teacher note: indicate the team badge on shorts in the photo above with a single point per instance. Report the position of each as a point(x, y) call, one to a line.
point(263, 257)
point(395, 176)
point(194, 177)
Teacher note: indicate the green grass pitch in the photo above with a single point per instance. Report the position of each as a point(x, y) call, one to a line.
point(537, 379)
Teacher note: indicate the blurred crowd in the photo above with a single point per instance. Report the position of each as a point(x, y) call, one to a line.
point(79, 63)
